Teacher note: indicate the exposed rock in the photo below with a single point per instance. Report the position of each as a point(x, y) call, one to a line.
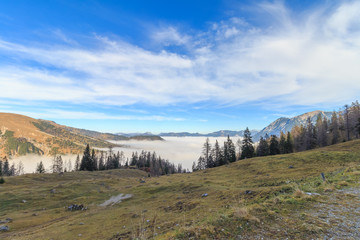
point(4, 228)
point(53, 191)
point(205, 195)
point(248, 192)
point(23, 201)
point(7, 220)
point(75, 207)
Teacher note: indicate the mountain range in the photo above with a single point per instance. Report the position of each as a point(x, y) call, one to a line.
point(282, 124)
point(20, 134)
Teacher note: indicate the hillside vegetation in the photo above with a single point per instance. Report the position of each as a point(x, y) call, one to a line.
point(20, 135)
point(270, 197)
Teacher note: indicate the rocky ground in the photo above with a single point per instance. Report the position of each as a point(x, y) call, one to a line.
point(338, 214)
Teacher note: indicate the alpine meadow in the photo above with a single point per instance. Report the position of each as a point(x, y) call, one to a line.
point(220, 119)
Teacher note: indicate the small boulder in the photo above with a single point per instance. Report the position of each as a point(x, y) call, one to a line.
point(205, 195)
point(248, 192)
point(53, 191)
point(4, 228)
point(291, 166)
point(23, 201)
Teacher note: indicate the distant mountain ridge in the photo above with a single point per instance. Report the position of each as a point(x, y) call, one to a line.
point(221, 133)
point(285, 124)
point(282, 124)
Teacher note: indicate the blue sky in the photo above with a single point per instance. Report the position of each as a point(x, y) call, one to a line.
point(159, 66)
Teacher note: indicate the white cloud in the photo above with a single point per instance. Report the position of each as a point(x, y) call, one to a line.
point(170, 36)
point(62, 114)
point(295, 60)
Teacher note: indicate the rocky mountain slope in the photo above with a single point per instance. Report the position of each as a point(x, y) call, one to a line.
point(20, 135)
point(284, 124)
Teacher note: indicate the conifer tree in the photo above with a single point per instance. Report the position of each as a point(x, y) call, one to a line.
point(12, 170)
point(86, 163)
point(282, 143)
point(58, 164)
point(334, 128)
point(262, 148)
point(206, 152)
point(201, 163)
point(231, 150)
point(347, 126)
point(289, 143)
point(247, 148)
point(274, 145)
point(6, 168)
point(94, 160)
point(321, 130)
point(40, 168)
point(77, 163)
point(310, 136)
point(101, 162)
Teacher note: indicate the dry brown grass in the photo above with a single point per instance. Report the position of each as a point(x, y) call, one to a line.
point(243, 213)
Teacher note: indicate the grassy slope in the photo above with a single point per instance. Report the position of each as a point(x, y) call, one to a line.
point(51, 138)
point(173, 204)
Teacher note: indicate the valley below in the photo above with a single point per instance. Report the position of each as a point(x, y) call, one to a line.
point(178, 150)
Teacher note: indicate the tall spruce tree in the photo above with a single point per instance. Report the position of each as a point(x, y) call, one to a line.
point(247, 148)
point(206, 152)
point(289, 143)
point(77, 163)
point(218, 156)
point(310, 136)
point(263, 148)
point(274, 145)
point(334, 128)
point(86, 163)
point(6, 168)
point(282, 143)
point(230, 152)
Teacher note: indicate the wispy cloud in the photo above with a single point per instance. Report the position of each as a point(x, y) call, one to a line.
point(295, 60)
point(62, 114)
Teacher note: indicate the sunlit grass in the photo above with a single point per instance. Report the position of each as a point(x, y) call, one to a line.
point(244, 198)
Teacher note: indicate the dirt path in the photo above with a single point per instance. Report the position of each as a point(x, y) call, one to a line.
point(339, 214)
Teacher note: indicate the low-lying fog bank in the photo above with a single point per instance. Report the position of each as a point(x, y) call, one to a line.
point(30, 162)
point(184, 150)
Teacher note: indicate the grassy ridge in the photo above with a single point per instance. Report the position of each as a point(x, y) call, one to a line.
point(254, 197)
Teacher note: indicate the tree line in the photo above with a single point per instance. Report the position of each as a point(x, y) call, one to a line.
point(344, 125)
point(10, 170)
point(99, 161)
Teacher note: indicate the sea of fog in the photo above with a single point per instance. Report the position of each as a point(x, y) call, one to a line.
point(184, 150)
